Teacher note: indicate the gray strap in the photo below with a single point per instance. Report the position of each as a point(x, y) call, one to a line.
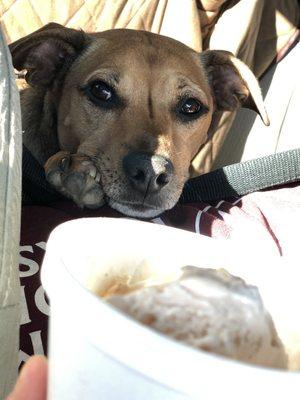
point(239, 179)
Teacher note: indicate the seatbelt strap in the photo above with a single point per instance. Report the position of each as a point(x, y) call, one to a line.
point(228, 182)
point(242, 178)
point(35, 188)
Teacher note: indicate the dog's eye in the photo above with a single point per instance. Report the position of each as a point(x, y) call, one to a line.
point(189, 109)
point(102, 95)
point(101, 91)
point(190, 106)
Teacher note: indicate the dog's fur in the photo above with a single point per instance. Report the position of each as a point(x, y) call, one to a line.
point(134, 150)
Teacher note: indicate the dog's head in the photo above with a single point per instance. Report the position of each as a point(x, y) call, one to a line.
point(139, 103)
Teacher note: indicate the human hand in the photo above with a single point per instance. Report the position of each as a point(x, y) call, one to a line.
point(32, 381)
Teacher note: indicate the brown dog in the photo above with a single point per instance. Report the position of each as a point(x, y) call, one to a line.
point(118, 116)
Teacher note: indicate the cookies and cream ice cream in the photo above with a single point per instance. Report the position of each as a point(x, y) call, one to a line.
point(210, 310)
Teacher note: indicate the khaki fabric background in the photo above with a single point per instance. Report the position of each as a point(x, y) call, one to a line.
point(254, 30)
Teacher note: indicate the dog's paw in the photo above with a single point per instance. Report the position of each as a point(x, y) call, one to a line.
point(76, 177)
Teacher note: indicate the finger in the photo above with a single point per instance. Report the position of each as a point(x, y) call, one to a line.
point(32, 382)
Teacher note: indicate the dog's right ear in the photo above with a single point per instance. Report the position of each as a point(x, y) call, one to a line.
point(233, 84)
point(46, 51)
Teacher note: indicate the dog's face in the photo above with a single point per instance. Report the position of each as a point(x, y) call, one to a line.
point(139, 104)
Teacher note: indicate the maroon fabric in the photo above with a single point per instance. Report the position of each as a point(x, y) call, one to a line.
point(36, 225)
point(270, 219)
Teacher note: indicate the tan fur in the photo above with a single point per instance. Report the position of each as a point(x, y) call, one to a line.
point(150, 73)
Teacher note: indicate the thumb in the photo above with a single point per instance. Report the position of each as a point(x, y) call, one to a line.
point(32, 381)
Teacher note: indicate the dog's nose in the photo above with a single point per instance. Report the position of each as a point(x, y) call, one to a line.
point(146, 172)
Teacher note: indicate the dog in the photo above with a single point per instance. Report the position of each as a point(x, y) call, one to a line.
point(117, 117)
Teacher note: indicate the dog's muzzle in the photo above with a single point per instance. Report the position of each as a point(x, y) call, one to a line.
point(147, 173)
point(150, 186)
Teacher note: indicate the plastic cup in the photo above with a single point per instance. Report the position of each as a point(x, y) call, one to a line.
point(96, 352)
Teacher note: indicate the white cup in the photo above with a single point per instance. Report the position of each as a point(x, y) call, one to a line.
point(96, 352)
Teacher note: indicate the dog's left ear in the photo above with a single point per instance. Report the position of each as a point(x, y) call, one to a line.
point(47, 53)
point(232, 82)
